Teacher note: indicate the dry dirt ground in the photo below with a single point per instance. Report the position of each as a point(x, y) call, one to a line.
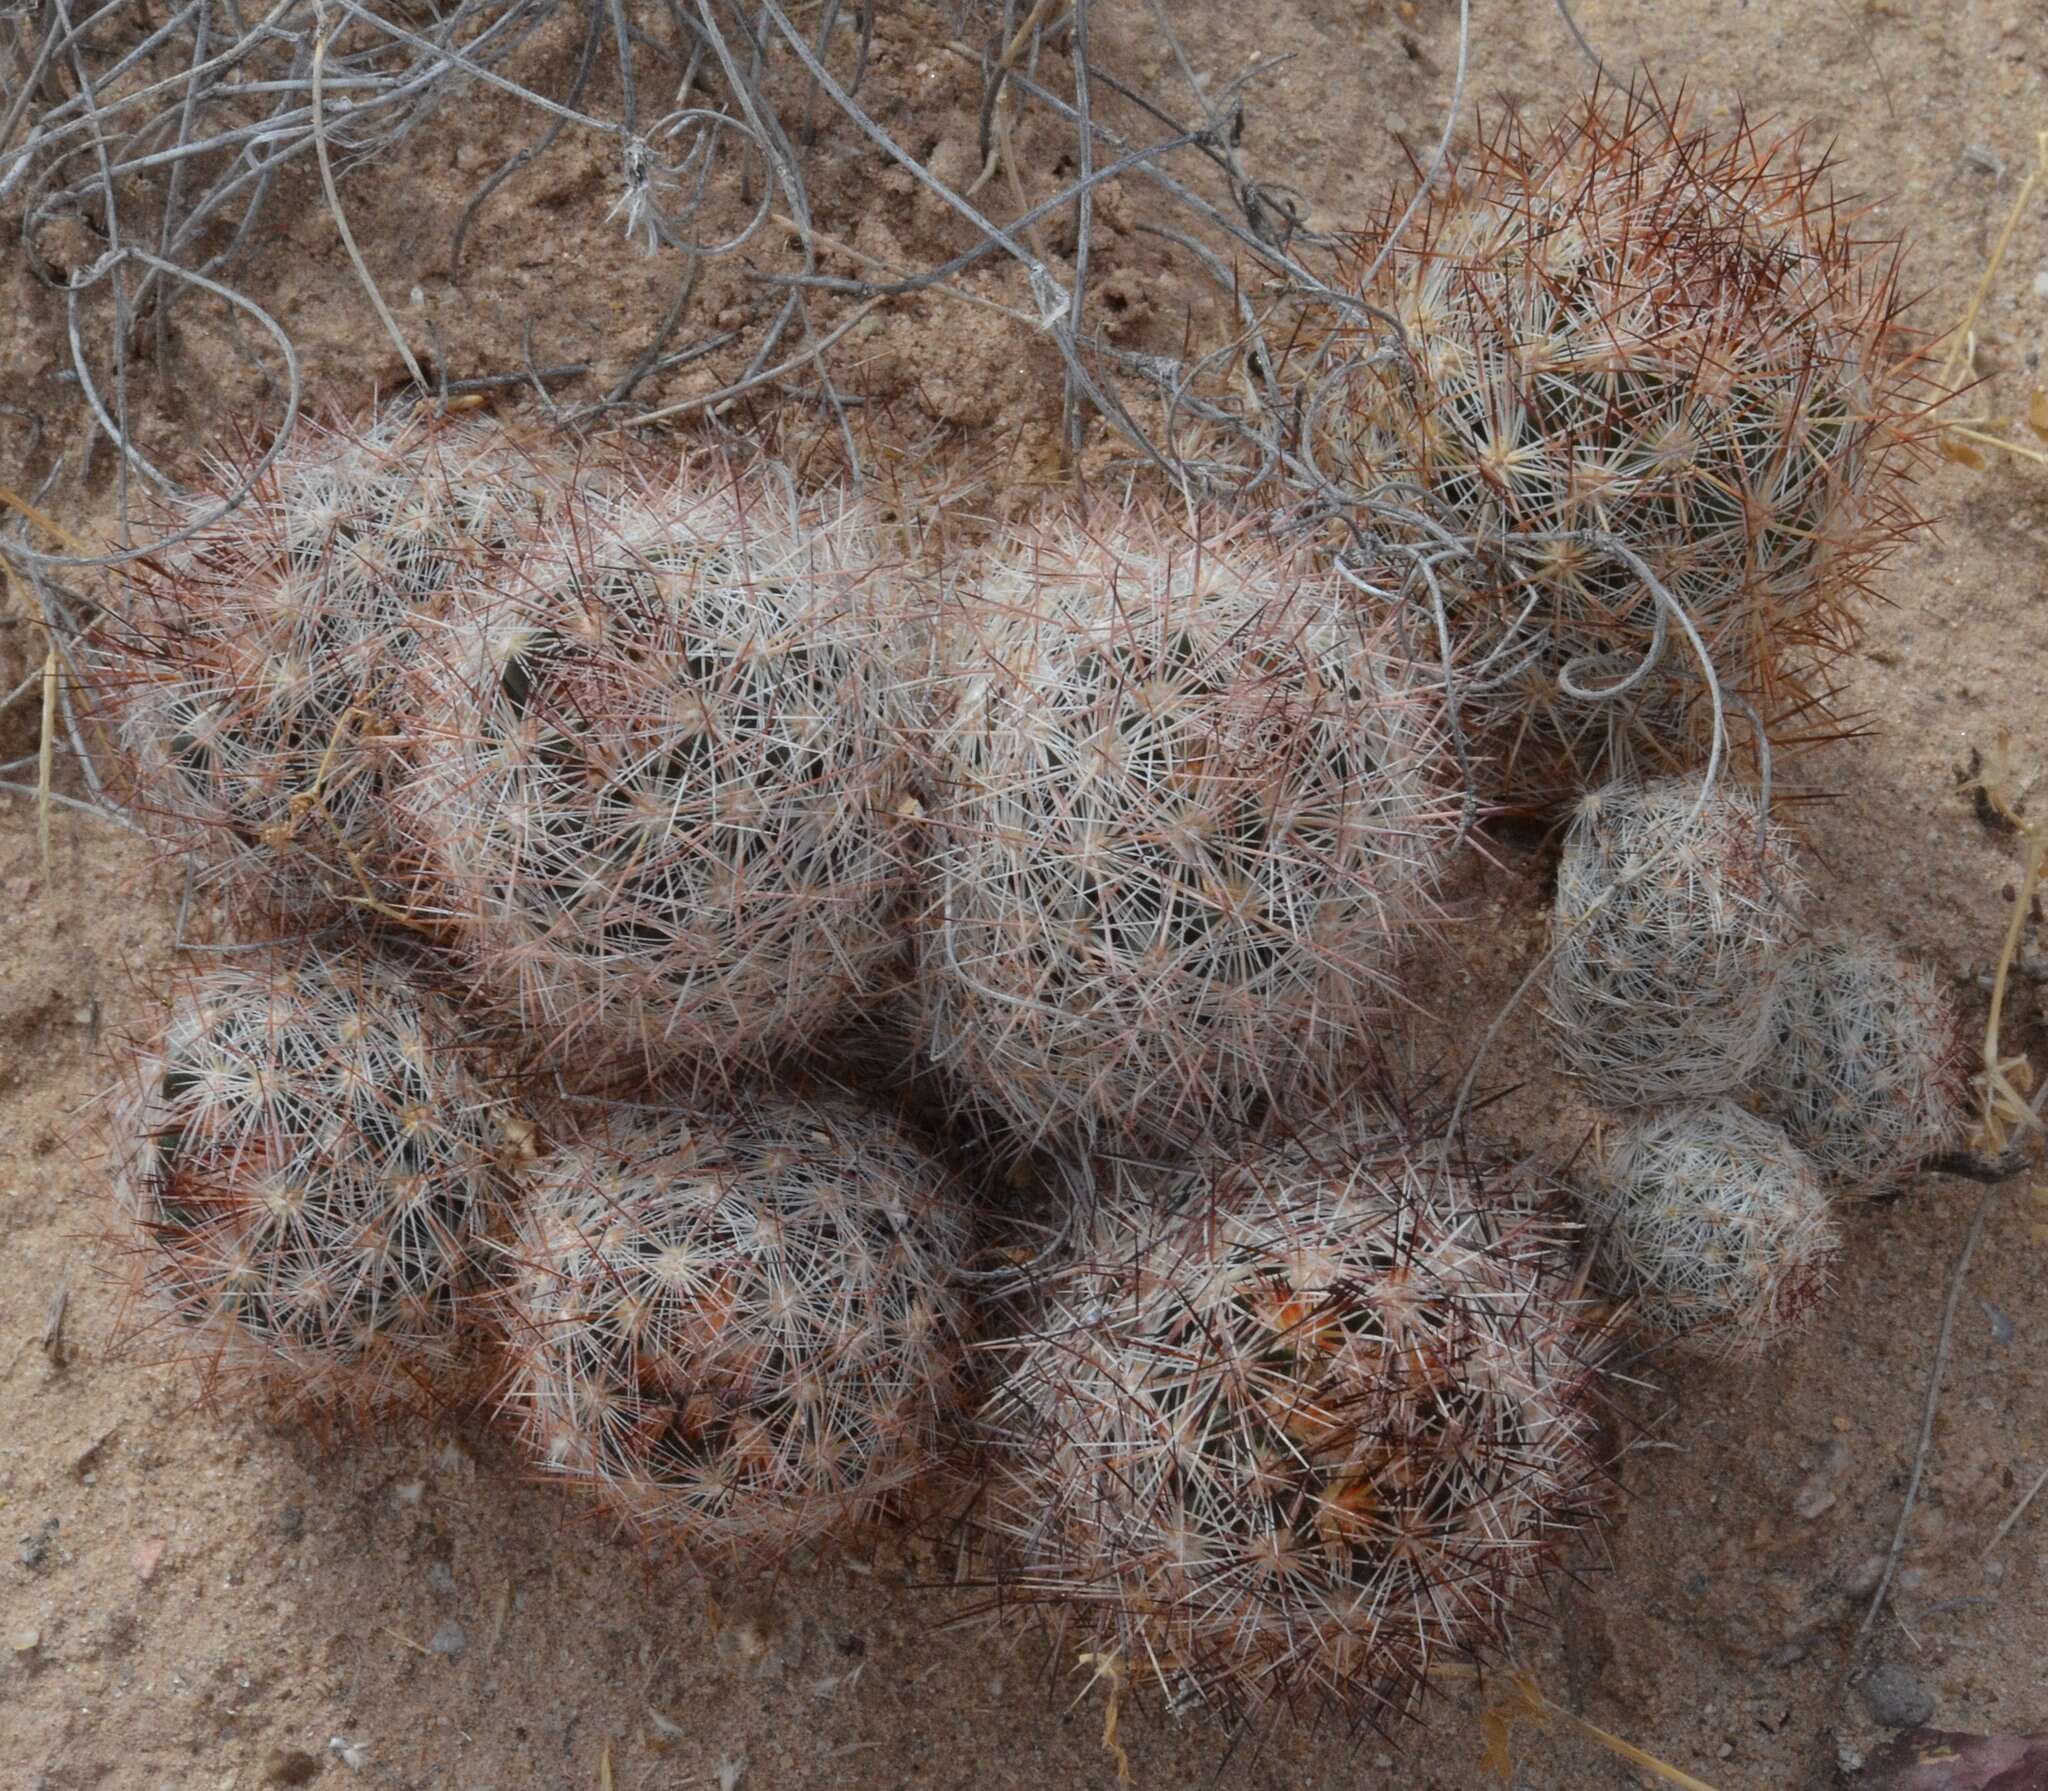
point(190, 1599)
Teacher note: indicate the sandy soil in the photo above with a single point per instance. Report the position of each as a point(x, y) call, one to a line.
point(212, 1600)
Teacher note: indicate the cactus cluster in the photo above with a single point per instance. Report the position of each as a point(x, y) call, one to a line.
point(744, 1332)
point(1677, 984)
point(306, 1174)
point(1306, 1439)
point(1675, 903)
point(657, 791)
point(1631, 346)
point(248, 671)
point(1713, 1223)
point(1183, 812)
point(1867, 1067)
point(664, 771)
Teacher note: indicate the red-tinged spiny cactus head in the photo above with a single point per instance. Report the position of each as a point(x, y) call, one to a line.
point(1319, 1430)
point(305, 1171)
point(1868, 1068)
point(247, 672)
point(1632, 327)
point(743, 1334)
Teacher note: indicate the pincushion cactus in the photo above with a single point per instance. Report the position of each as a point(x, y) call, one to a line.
point(1713, 1224)
point(743, 1333)
point(660, 804)
point(1630, 329)
point(249, 671)
point(1674, 910)
point(1182, 815)
point(1868, 1067)
point(1304, 1441)
point(305, 1173)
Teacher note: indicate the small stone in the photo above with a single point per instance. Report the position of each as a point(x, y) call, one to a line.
point(149, 1555)
point(36, 1546)
point(450, 1639)
point(1861, 1580)
point(440, 1578)
point(1814, 1497)
point(1790, 1655)
point(409, 1492)
point(290, 1766)
point(27, 1641)
point(2041, 284)
point(291, 1523)
point(1727, 1750)
point(1895, 1698)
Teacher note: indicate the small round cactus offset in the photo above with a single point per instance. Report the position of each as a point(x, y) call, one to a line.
point(742, 1333)
point(663, 805)
point(1713, 1224)
point(1629, 330)
point(1868, 1070)
point(1675, 908)
point(249, 671)
point(305, 1174)
point(1318, 1434)
point(1183, 813)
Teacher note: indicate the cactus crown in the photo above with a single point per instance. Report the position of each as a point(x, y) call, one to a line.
point(1714, 1224)
point(1868, 1067)
point(250, 670)
point(662, 811)
point(1299, 1442)
point(1673, 911)
point(742, 1333)
point(307, 1172)
point(1629, 327)
point(1182, 813)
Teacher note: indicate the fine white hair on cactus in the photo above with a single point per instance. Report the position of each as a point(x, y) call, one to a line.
point(1304, 1439)
point(1674, 909)
point(1868, 1068)
point(248, 672)
point(1713, 1225)
point(1183, 811)
point(660, 800)
point(305, 1171)
point(743, 1332)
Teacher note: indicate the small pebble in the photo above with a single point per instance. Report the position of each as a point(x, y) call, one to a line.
point(27, 1641)
point(439, 1577)
point(2041, 284)
point(1861, 1580)
point(291, 1523)
point(1895, 1698)
point(450, 1639)
point(1814, 1497)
